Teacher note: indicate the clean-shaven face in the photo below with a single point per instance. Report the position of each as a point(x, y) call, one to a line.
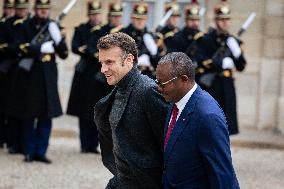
point(114, 65)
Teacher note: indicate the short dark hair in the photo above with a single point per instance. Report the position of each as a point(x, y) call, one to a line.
point(181, 64)
point(123, 41)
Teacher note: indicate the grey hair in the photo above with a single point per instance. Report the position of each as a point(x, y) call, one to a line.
point(180, 63)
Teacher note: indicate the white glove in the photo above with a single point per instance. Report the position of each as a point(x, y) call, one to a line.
point(144, 60)
point(150, 44)
point(54, 32)
point(47, 47)
point(228, 63)
point(234, 47)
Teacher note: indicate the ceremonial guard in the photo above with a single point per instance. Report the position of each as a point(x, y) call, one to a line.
point(34, 98)
point(219, 54)
point(9, 40)
point(183, 39)
point(171, 27)
point(148, 52)
point(8, 11)
point(89, 84)
point(114, 19)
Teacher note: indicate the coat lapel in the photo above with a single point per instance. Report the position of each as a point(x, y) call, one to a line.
point(182, 122)
point(123, 104)
point(102, 108)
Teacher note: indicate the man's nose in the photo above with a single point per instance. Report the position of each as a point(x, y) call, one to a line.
point(104, 68)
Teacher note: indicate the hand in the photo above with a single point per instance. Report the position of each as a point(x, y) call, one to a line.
point(47, 47)
point(228, 63)
point(144, 60)
point(234, 47)
point(150, 44)
point(54, 32)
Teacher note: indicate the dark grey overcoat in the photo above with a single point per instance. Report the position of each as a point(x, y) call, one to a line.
point(132, 144)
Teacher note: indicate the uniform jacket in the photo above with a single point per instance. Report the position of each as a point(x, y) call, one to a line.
point(34, 93)
point(211, 50)
point(89, 84)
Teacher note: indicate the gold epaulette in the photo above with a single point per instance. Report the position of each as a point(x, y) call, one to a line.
point(169, 34)
point(207, 63)
point(24, 46)
point(3, 20)
point(19, 21)
point(96, 28)
point(82, 48)
point(198, 35)
point(3, 45)
point(116, 29)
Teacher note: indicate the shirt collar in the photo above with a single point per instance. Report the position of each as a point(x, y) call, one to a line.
point(181, 104)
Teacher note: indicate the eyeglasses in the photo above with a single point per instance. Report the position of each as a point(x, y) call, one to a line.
point(163, 84)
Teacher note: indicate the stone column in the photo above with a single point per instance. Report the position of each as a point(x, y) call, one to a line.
point(271, 70)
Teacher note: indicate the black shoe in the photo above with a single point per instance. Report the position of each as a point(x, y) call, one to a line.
point(28, 158)
point(42, 159)
point(12, 150)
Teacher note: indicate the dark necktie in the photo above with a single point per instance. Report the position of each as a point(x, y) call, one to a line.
point(171, 125)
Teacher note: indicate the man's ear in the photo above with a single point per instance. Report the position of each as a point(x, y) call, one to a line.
point(184, 78)
point(130, 59)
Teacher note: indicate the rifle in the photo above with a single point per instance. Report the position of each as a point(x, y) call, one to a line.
point(224, 51)
point(26, 63)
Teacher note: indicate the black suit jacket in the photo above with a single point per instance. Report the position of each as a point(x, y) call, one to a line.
point(132, 146)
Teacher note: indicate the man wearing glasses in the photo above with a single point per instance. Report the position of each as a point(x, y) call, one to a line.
point(130, 119)
point(196, 144)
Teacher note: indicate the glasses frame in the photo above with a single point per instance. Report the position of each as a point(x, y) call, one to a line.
point(163, 84)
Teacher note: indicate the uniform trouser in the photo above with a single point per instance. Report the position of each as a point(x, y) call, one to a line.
point(2, 130)
point(37, 132)
point(15, 135)
point(88, 135)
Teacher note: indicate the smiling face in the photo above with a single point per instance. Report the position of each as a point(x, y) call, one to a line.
point(115, 64)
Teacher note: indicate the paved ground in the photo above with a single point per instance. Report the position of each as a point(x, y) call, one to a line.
point(258, 158)
point(256, 169)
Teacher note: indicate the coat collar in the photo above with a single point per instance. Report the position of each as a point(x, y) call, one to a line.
point(125, 86)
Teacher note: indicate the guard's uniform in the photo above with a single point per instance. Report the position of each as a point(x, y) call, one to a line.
point(89, 84)
point(34, 96)
point(212, 75)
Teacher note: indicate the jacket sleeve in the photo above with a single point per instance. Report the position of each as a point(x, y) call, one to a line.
point(214, 145)
point(156, 110)
point(105, 138)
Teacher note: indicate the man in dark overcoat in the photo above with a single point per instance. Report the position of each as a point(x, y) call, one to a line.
point(130, 119)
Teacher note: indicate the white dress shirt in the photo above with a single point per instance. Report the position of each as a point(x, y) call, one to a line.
point(181, 104)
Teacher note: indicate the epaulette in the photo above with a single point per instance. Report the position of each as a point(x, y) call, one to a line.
point(169, 34)
point(3, 19)
point(198, 35)
point(3, 45)
point(82, 49)
point(96, 28)
point(19, 21)
point(207, 63)
point(116, 29)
